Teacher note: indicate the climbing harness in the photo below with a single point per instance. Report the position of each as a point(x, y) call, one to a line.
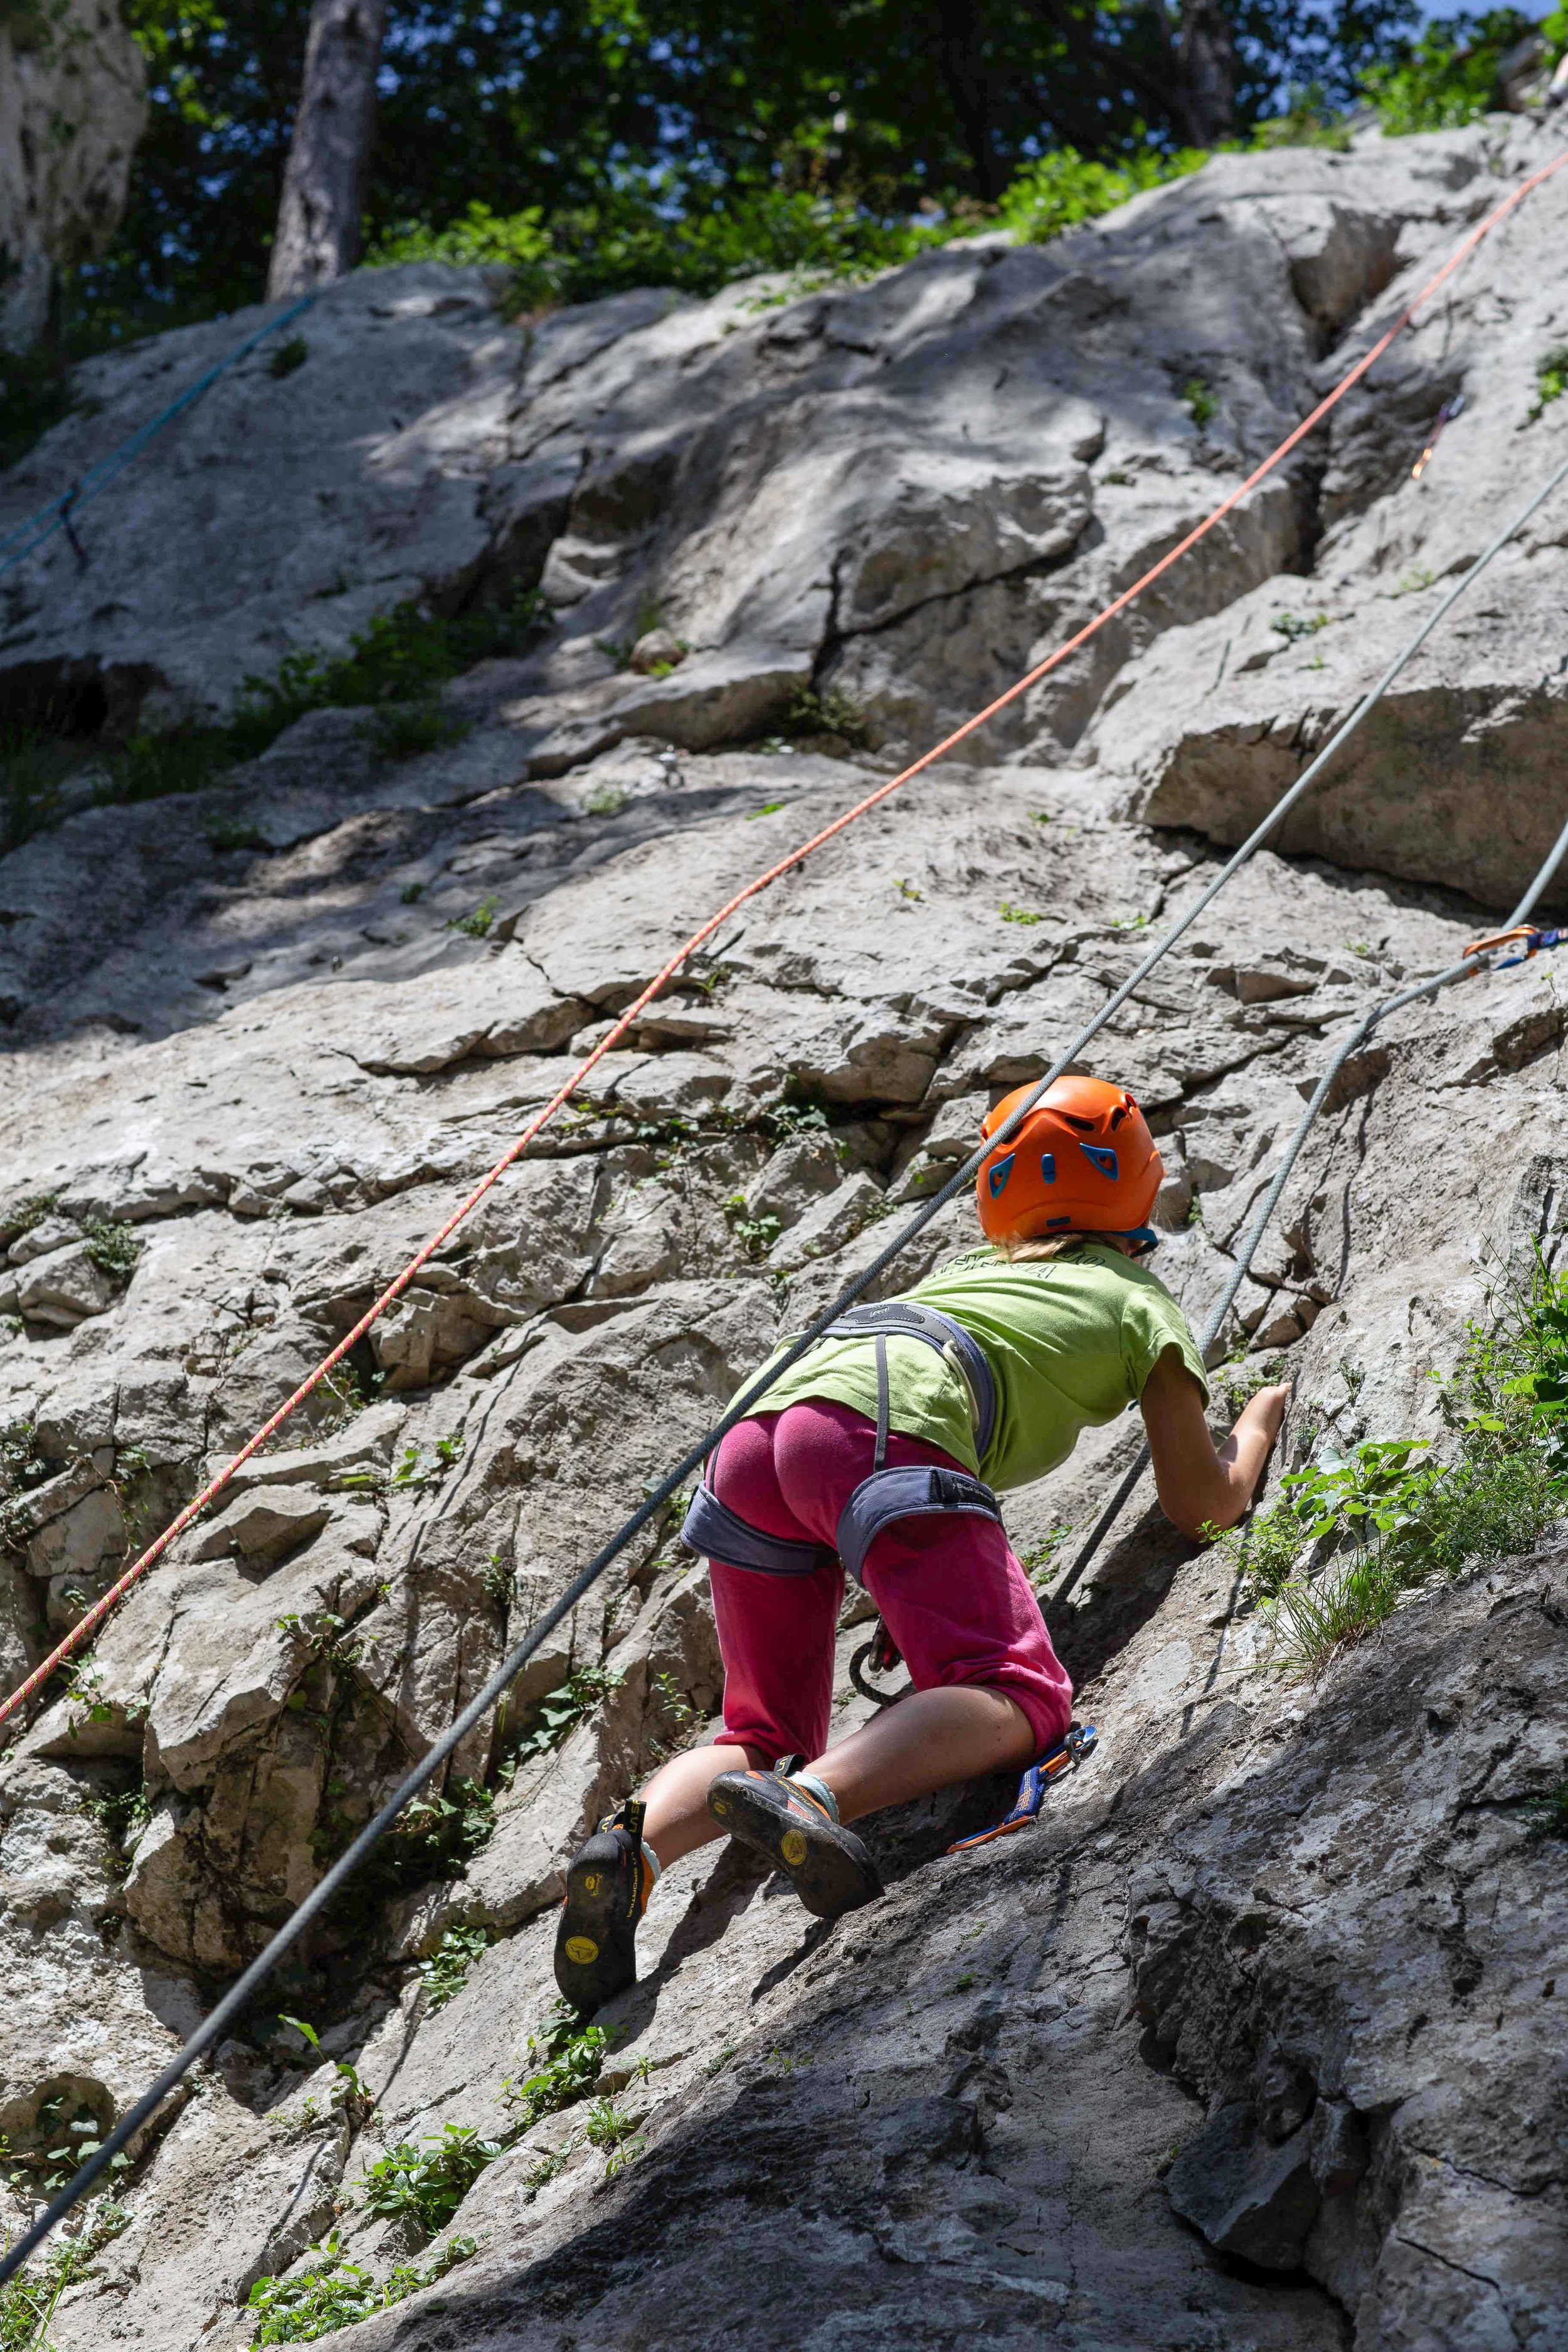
point(232, 2005)
point(1079, 1744)
point(88, 1625)
point(61, 513)
point(1532, 940)
point(716, 1532)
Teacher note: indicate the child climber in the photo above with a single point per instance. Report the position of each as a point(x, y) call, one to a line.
point(877, 1454)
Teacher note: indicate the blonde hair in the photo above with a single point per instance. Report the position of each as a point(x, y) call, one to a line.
point(1021, 1253)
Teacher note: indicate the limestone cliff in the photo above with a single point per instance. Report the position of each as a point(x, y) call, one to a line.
point(1256, 2038)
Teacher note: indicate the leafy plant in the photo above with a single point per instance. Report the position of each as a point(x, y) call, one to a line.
point(1551, 380)
point(446, 1969)
point(1448, 76)
point(476, 923)
point(1065, 188)
point(1200, 402)
point(27, 2301)
point(1025, 915)
point(606, 800)
point(333, 2293)
point(112, 1246)
point(286, 357)
point(574, 2058)
point(425, 2181)
point(756, 1235)
point(1293, 625)
point(559, 1713)
point(349, 2092)
point(614, 2134)
point(833, 713)
point(1547, 1817)
point(416, 1472)
point(226, 834)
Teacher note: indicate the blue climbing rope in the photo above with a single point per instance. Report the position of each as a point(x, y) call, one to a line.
point(28, 536)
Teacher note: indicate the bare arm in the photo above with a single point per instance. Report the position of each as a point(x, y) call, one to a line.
point(1198, 1485)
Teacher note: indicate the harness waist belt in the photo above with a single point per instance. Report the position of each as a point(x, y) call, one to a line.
point(909, 1493)
point(905, 1318)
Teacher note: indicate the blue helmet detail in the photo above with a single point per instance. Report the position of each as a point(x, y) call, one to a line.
point(1049, 1166)
point(997, 1177)
point(1103, 1158)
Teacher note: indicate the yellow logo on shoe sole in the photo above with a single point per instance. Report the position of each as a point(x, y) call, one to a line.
point(794, 1848)
point(720, 1805)
point(582, 1949)
point(591, 1883)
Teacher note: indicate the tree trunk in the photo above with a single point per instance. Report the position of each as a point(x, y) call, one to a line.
point(959, 39)
point(318, 237)
point(1206, 64)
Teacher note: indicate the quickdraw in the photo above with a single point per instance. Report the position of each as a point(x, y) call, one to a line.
point(1530, 935)
point(1081, 1743)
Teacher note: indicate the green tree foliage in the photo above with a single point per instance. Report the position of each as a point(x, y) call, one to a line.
point(1448, 76)
point(674, 139)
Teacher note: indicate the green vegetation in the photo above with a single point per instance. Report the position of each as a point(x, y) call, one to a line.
point(1551, 380)
point(756, 1235)
point(1448, 76)
point(286, 357)
point(416, 1472)
point(1025, 915)
point(1348, 1537)
point(476, 924)
point(833, 713)
point(27, 2302)
point(573, 2057)
point(1200, 401)
point(446, 1969)
point(559, 1713)
point(394, 669)
point(425, 2181)
point(1548, 1816)
point(614, 2134)
point(332, 2292)
point(112, 1246)
point(1292, 626)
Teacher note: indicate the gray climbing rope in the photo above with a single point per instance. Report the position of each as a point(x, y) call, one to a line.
point(231, 2007)
point(61, 512)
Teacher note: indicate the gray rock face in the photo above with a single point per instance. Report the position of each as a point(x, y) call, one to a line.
point(1253, 2038)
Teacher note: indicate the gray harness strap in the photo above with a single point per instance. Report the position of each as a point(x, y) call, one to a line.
point(718, 1533)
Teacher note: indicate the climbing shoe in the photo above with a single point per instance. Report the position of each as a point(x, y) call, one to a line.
point(608, 1882)
point(795, 1821)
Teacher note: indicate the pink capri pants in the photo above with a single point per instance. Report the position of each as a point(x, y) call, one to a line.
point(950, 1591)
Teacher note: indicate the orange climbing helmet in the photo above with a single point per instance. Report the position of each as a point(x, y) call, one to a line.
point(1083, 1161)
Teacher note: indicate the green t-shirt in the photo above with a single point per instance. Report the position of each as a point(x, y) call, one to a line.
point(1071, 1341)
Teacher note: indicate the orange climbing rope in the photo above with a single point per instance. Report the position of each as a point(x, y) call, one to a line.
point(94, 1617)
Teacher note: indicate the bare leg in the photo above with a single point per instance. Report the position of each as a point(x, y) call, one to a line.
point(677, 1798)
point(927, 1741)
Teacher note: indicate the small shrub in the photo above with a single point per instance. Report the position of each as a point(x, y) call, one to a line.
point(425, 2181)
point(1547, 1816)
point(476, 924)
point(112, 1246)
point(1292, 626)
point(614, 2134)
point(833, 713)
point(289, 356)
point(756, 1235)
point(1551, 380)
point(559, 1714)
point(446, 1971)
point(1066, 188)
point(1448, 76)
point(332, 2292)
point(1200, 402)
point(573, 2056)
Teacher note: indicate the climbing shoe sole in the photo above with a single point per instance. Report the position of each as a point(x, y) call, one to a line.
point(595, 1943)
point(828, 1866)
